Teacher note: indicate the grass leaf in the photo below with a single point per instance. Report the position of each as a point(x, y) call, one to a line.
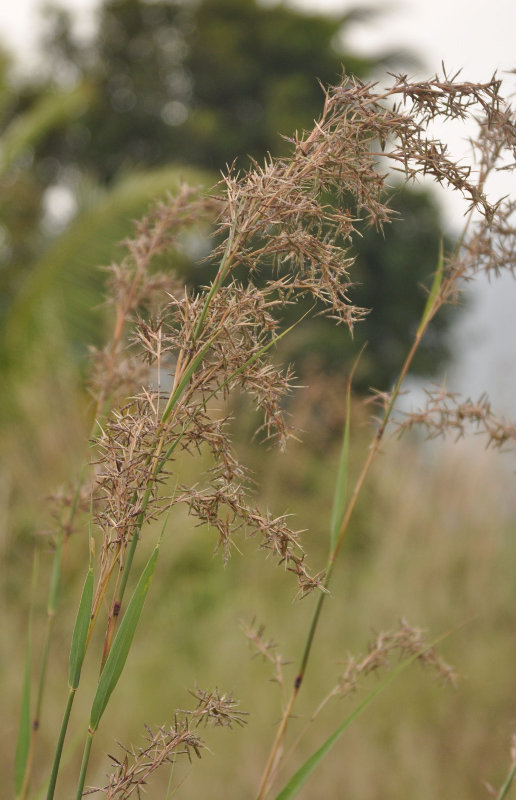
point(339, 498)
point(65, 282)
point(504, 791)
point(122, 643)
point(80, 631)
point(434, 291)
point(298, 780)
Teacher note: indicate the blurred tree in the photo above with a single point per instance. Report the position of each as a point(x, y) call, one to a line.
point(197, 82)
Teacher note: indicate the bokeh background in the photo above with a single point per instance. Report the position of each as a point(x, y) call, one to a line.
point(106, 105)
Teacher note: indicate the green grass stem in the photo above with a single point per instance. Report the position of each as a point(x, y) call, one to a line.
point(60, 742)
point(25, 741)
point(84, 765)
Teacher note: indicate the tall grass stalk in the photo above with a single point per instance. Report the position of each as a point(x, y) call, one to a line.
point(300, 215)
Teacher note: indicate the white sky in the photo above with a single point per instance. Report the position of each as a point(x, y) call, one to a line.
point(476, 36)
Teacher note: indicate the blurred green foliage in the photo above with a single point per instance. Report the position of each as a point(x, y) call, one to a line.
point(200, 83)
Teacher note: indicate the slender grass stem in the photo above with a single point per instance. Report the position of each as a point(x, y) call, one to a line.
point(51, 616)
point(60, 743)
point(53, 600)
point(168, 793)
point(312, 630)
point(84, 764)
point(24, 753)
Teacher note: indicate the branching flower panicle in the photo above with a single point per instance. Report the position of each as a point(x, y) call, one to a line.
point(298, 213)
point(402, 643)
point(216, 709)
point(443, 414)
point(164, 745)
point(267, 648)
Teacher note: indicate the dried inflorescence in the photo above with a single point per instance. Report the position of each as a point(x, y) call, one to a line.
point(216, 709)
point(403, 643)
point(134, 286)
point(299, 215)
point(267, 648)
point(163, 746)
point(224, 507)
point(444, 414)
point(124, 474)
point(491, 247)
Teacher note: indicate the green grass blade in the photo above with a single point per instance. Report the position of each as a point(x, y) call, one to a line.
point(53, 600)
point(134, 541)
point(434, 291)
point(168, 793)
point(59, 747)
point(53, 597)
point(298, 780)
point(77, 653)
point(339, 498)
point(122, 643)
point(80, 632)
point(504, 791)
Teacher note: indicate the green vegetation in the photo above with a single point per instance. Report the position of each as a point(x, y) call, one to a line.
point(183, 479)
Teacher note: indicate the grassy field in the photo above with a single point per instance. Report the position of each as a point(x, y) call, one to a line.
point(423, 548)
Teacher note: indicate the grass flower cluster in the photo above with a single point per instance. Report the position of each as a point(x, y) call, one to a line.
point(161, 384)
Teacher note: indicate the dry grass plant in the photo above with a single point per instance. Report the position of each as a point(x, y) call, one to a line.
point(176, 356)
